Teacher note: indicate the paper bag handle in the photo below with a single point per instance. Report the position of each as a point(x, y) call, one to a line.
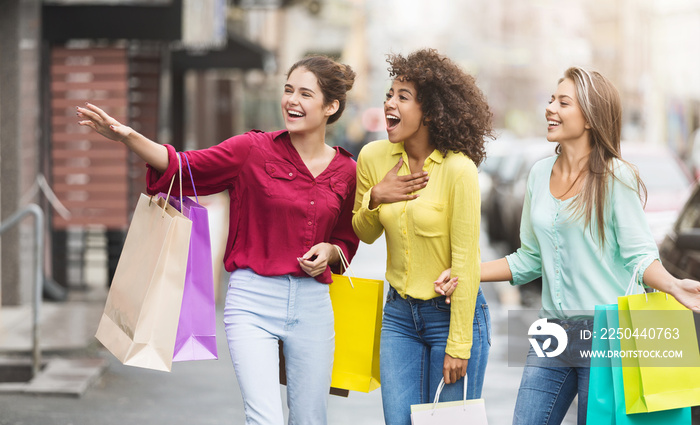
point(439, 390)
point(179, 166)
point(345, 264)
point(189, 170)
point(635, 275)
point(167, 199)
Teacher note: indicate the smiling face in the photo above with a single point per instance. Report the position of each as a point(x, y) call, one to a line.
point(303, 105)
point(565, 120)
point(403, 113)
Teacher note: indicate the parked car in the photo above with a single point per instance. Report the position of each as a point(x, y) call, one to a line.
point(665, 177)
point(515, 193)
point(680, 249)
point(667, 180)
point(496, 150)
point(504, 207)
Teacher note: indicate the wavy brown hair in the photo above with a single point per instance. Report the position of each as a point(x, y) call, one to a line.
point(600, 103)
point(454, 108)
point(334, 78)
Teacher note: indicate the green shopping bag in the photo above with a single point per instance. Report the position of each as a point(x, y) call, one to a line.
point(606, 398)
point(657, 328)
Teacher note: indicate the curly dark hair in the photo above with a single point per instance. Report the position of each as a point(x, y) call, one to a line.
point(454, 108)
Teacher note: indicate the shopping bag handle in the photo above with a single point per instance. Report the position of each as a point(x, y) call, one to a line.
point(189, 170)
point(167, 199)
point(179, 169)
point(439, 390)
point(635, 279)
point(345, 264)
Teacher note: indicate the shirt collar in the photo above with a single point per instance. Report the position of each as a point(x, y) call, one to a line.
point(435, 155)
point(277, 135)
point(343, 151)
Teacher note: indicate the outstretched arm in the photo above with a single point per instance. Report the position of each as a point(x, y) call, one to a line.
point(491, 271)
point(686, 291)
point(154, 154)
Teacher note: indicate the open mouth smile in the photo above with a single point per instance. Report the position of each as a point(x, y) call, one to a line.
point(392, 121)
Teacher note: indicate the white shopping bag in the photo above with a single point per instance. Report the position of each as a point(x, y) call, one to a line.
point(472, 412)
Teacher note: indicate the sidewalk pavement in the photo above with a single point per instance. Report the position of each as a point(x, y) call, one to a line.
point(203, 392)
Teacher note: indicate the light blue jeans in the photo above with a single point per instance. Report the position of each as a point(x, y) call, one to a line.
point(549, 384)
point(412, 354)
point(259, 312)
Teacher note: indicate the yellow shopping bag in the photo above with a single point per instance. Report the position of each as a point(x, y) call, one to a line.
point(357, 306)
point(659, 352)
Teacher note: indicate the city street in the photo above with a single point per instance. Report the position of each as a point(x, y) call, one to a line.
point(206, 392)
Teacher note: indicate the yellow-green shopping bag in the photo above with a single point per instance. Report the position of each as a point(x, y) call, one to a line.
point(659, 352)
point(606, 398)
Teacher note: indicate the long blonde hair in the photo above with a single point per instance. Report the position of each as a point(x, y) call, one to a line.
point(600, 103)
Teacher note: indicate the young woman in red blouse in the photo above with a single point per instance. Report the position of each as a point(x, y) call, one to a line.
point(291, 208)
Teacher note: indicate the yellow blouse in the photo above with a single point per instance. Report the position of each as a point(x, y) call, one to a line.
point(436, 231)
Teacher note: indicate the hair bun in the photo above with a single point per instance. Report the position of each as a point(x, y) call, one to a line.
point(349, 76)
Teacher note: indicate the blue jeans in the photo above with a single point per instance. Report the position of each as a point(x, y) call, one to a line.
point(412, 354)
point(549, 385)
point(261, 310)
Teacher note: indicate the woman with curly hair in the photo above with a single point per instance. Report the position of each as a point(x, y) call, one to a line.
point(421, 188)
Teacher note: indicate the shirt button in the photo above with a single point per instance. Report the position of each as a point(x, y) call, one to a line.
point(291, 174)
point(404, 232)
point(309, 223)
point(312, 202)
point(557, 271)
point(272, 169)
point(313, 183)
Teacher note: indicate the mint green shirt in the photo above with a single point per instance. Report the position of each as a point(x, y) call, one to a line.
point(577, 273)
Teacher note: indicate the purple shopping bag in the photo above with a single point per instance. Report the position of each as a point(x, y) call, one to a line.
point(196, 331)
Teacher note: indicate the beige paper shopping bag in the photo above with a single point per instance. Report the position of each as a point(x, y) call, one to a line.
point(140, 319)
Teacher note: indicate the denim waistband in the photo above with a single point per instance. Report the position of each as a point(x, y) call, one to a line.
point(393, 294)
point(573, 324)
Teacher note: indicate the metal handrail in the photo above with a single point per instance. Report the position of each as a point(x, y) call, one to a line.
point(38, 272)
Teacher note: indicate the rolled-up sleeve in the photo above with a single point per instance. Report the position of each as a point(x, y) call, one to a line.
point(634, 237)
point(213, 169)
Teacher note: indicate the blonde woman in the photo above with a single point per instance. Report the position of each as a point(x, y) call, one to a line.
point(584, 232)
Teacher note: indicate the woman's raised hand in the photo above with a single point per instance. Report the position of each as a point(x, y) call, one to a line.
point(154, 154)
point(395, 188)
point(97, 119)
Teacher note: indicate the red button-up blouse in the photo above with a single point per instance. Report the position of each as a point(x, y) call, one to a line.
point(278, 210)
